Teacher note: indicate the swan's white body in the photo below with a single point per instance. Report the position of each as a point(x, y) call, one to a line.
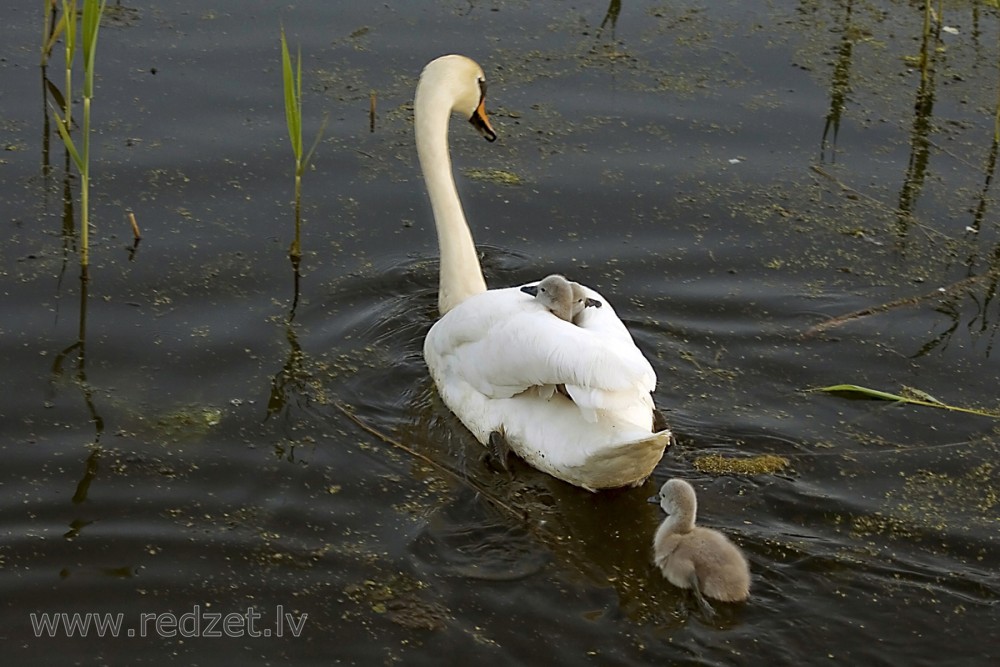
point(690, 556)
point(496, 355)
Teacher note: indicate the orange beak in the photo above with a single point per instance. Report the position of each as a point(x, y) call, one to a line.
point(481, 121)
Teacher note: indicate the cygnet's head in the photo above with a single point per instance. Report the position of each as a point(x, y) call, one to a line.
point(564, 298)
point(462, 85)
point(677, 497)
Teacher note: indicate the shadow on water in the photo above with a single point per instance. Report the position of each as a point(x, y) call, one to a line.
point(507, 526)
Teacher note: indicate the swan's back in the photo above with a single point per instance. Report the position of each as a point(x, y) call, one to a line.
point(503, 342)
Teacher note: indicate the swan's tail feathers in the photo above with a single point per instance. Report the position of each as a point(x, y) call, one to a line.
point(628, 464)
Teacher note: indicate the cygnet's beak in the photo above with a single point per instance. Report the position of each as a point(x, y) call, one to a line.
point(530, 289)
point(654, 499)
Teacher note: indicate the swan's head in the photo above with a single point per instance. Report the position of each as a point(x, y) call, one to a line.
point(677, 497)
point(564, 298)
point(461, 83)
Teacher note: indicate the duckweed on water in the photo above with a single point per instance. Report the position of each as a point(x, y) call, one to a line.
point(189, 422)
point(498, 176)
point(717, 464)
point(398, 599)
point(927, 504)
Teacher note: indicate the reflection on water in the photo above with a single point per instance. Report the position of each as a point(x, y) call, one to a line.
point(76, 355)
point(840, 84)
point(192, 433)
point(971, 297)
point(923, 113)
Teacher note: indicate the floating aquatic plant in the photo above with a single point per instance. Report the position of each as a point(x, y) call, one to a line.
point(498, 176)
point(764, 464)
point(907, 395)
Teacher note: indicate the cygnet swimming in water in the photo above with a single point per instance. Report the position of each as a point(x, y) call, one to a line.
point(690, 556)
point(564, 298)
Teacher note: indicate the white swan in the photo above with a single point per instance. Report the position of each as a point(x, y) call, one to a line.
point(690, 556)
point(564, 299)
point(491, 349)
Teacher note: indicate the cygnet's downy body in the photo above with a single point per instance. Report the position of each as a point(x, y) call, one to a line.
point(564, 298)
point(690, 556)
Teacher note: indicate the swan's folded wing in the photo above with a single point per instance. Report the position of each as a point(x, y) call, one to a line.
point(532, 348)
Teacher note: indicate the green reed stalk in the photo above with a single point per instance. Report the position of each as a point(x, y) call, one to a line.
point(69, 25)
point(50, 31)
point(292, 79)
point(48, 9)
point(89, 26)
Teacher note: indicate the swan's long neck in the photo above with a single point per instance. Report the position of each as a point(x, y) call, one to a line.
point(461, 275)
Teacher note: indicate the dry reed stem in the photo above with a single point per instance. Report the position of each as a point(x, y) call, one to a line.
point(904, 302)
point(135, 225)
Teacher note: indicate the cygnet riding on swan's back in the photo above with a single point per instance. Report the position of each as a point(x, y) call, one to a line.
point(492, 348)
point(564, 299)
point(690, 556)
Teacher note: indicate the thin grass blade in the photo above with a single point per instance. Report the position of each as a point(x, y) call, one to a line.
point(54, 36)
point(90, 25)
point(865, 392)
point(68, 22)
point(297, 101)
point(315, 143)
point(293, 110)
point(68, 141)
point(57, 96)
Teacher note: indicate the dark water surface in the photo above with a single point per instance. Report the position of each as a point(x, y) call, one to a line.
point(730, 174)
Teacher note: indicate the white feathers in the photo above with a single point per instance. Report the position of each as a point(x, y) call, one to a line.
point(497, 356)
